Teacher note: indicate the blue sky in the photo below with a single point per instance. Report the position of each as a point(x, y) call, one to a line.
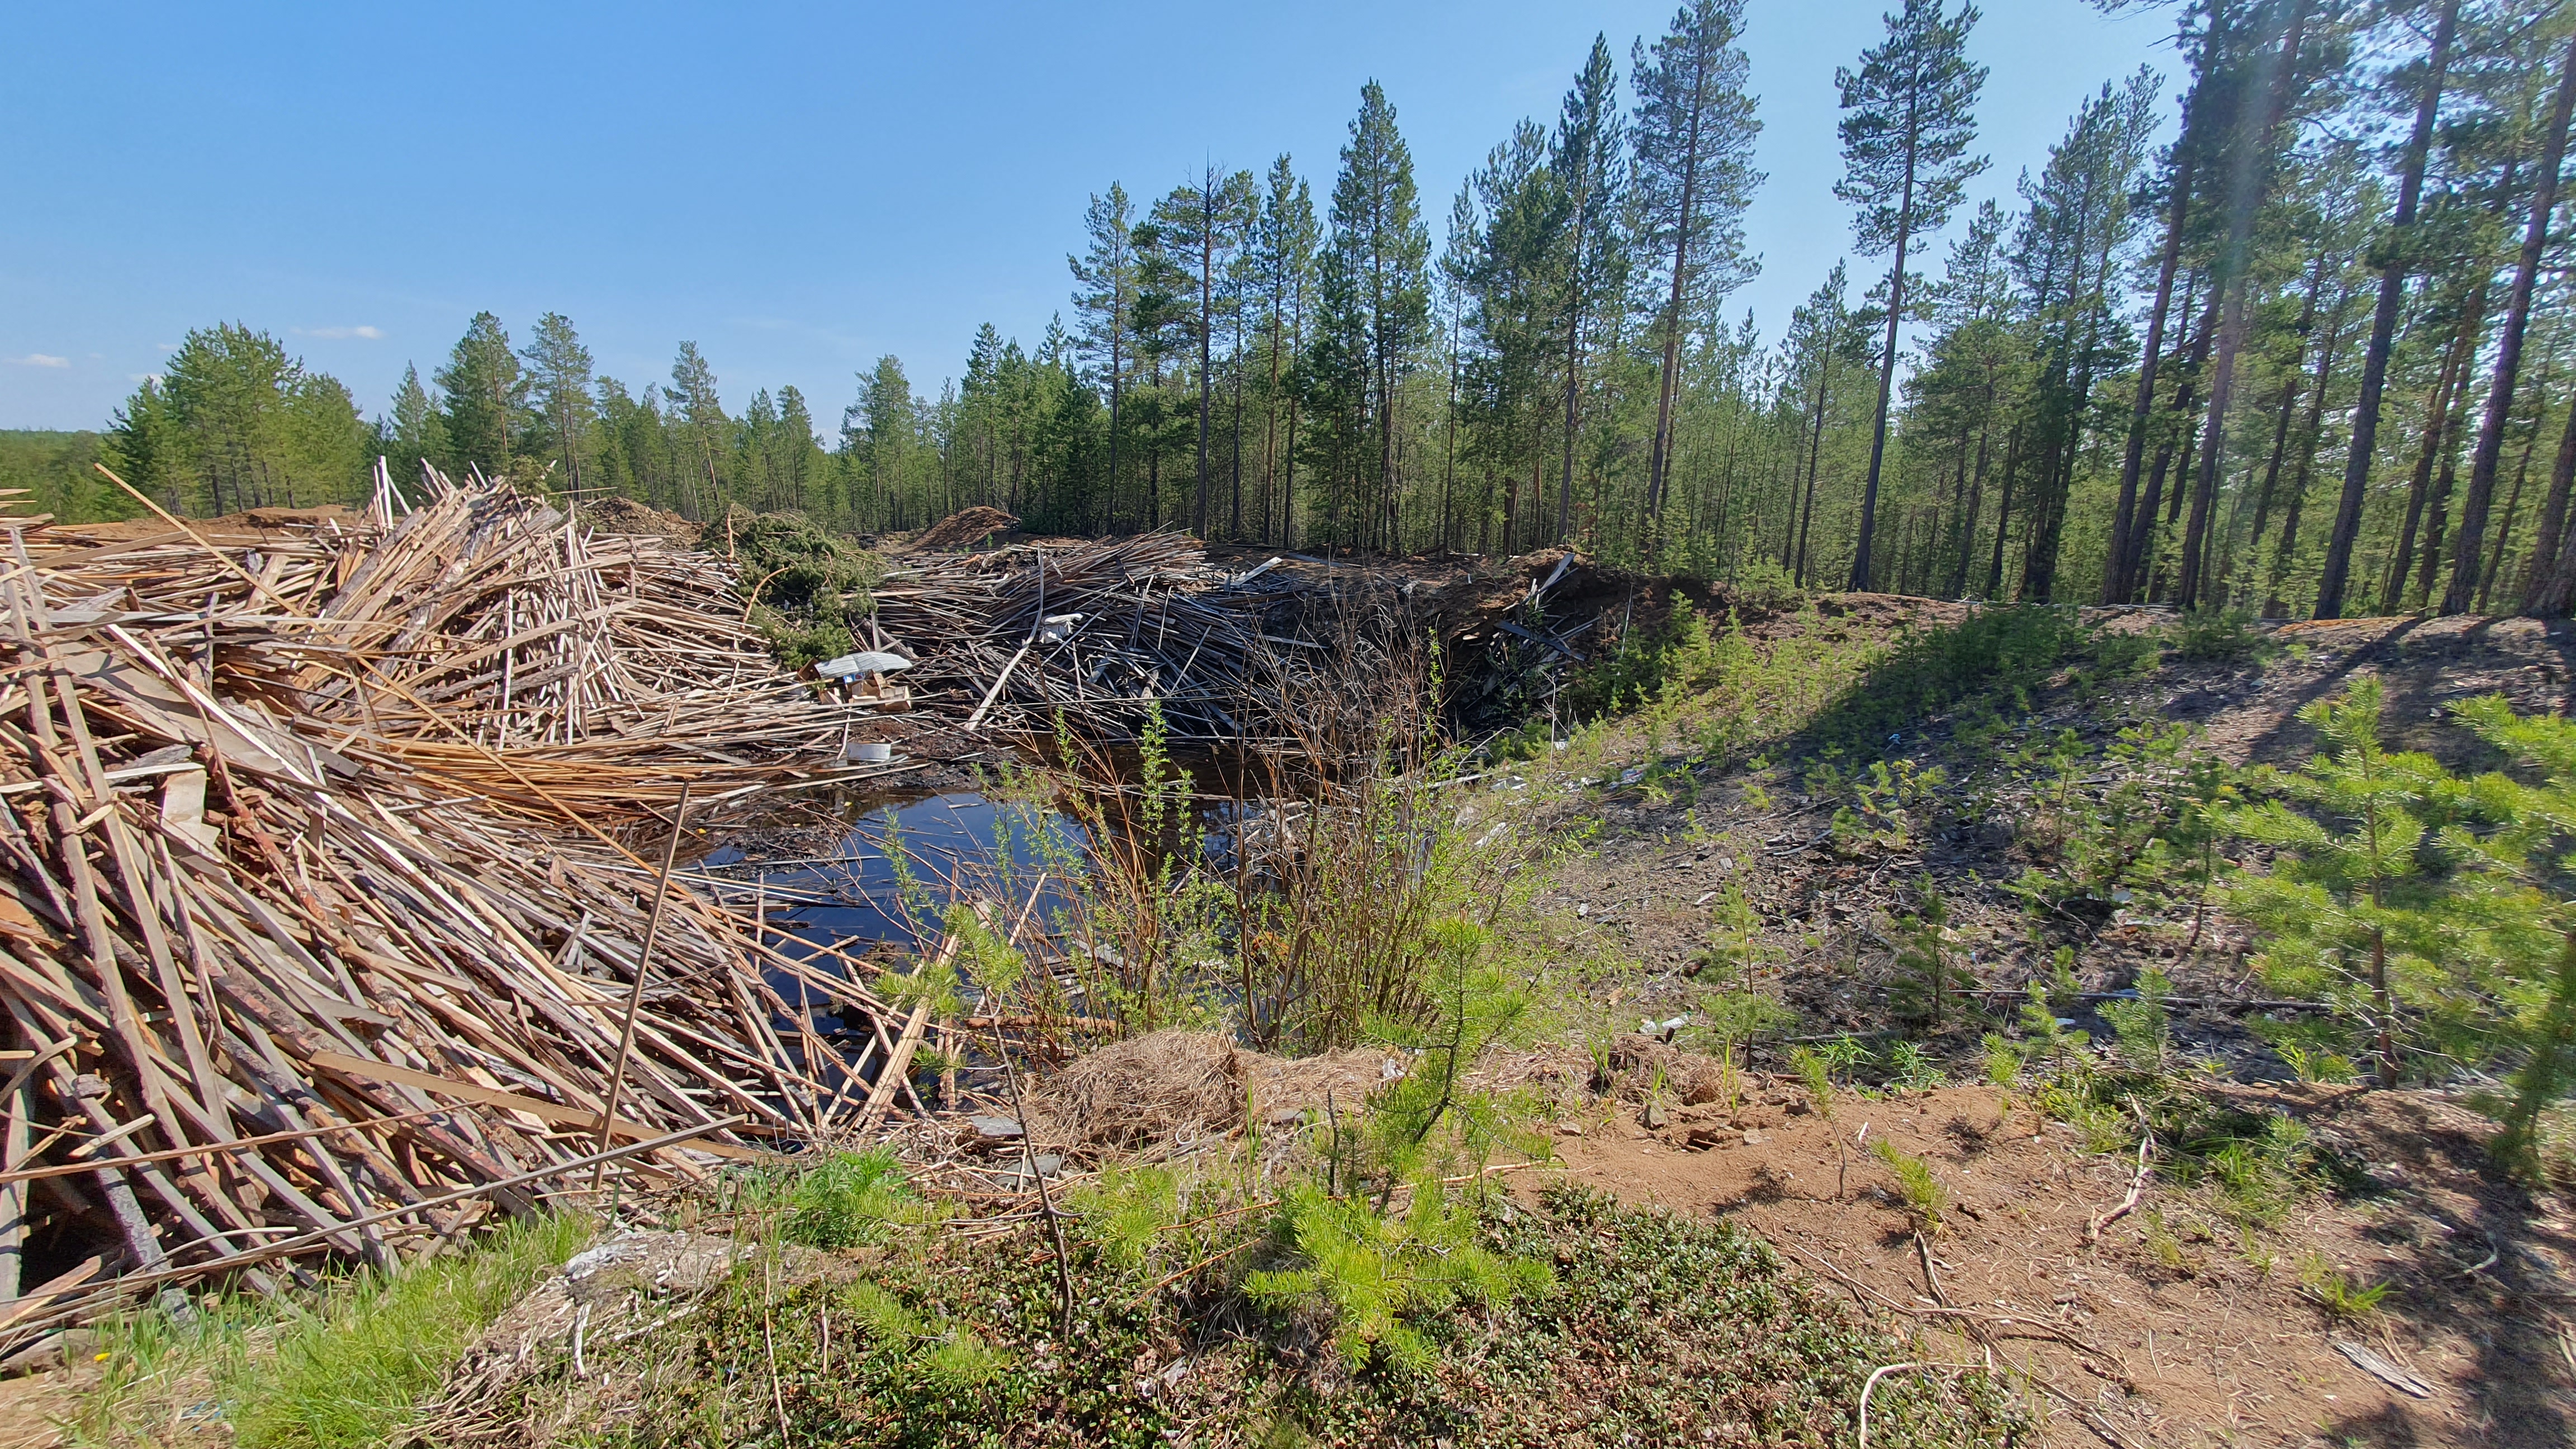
point(798, 189)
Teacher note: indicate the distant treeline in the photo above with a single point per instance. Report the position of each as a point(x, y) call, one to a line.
point(2312, 355)
point(54, 469)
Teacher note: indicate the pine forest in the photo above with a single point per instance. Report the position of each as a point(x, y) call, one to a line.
point(2300, 358)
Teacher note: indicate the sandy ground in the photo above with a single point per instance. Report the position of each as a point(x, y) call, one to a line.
point(2206, 1340)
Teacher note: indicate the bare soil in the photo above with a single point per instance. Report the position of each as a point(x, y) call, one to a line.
point(2191, 1335)
point(2169, 1329)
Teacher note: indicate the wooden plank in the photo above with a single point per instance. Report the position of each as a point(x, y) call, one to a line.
point(554, 1113)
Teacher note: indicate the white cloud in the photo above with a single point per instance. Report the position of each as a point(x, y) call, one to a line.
point(167, 346)
point(39, 359)
point(143, 377)
point(335, 334)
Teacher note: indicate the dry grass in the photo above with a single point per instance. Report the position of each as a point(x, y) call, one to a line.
point(1181, 1086)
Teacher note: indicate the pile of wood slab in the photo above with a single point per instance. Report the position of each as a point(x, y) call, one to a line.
point(331, 863)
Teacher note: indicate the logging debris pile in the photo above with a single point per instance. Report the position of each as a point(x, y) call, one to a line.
point(317, 936)
point(1098, 632)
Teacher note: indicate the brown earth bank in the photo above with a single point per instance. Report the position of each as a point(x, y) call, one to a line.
point(2169, 1323)
point(2169, 1327)
point(1648, 892)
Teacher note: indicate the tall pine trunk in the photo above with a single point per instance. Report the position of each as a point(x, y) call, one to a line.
point(2252, 167)
point(2437, 412)
point(2517, 314)
point(2551, 583)
point(2291, 378)
point(2512, 510)
point(2142, 535)
point(2437, 511)
point(2003, 514)
point(2383, 325)
point(1886, 379)
point(2311, 432)
point(2119, 571)
point(1659, 462)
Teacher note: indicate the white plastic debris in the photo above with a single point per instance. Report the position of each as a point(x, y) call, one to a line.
point(851, 666)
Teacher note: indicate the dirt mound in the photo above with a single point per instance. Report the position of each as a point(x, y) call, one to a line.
point(626, 516)
point(256, 525)
point(1177, 1085)
point(961, 530)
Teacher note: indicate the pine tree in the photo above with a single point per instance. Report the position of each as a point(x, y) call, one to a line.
point(1909, 116)
point(2396, 254)
point(1592, 266)
point(883, 425)
point(2429, 906)
point(2253, 145)
point(419, 433)
point(1201, 223)
point(559, 375)
point(696, 407)
point(1105, 299)
point(485, 393)
point(799, 468)
point(1376, 300)
point(2470, 541)
point(1695, 130)
point(233, 422)
point(2079, 220)
point(2130, 522)
point(1283, 262)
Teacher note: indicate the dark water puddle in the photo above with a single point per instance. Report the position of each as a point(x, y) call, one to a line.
point(882, 871)
point(887, 881)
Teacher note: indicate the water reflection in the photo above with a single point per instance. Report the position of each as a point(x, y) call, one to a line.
point(888, 880)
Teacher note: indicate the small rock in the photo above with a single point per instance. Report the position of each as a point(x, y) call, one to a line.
point(1753, 1139)
point(996, 1129)
point(1654, 1118)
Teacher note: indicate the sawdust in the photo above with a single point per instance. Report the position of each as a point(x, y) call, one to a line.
point(626, 516)
point(963, 529)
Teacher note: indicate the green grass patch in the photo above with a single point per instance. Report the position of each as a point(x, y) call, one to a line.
point(338, 1372)
point(1646, 1329)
